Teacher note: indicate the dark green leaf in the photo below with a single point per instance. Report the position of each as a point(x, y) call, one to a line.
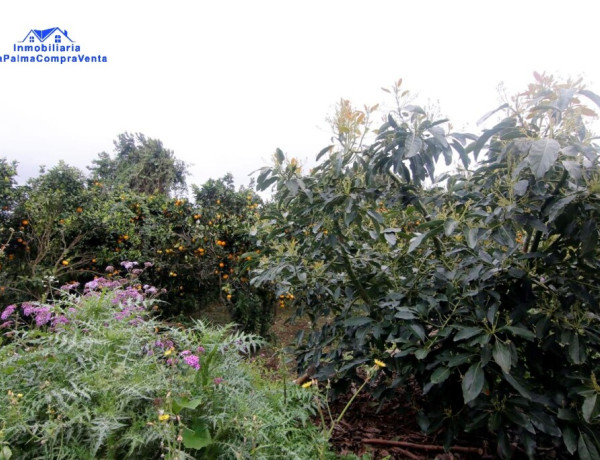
point(520, 187)
point(501, 354)
point(591, 95)
point(375, 216)
point(542, 154)
point(449, 226)
point(263, 185)
point(324, 151)
point(412, 146)
point(292, 186)
point(489, 114)
point(588, 407)
point(546, 423)
point(517, 386)
point(576, 353)
point(589, 237)
point(570, 439)
point(458, 360)
point(279, 155)
point(488, 133)
point(521, 332)
point(418, 330)
point(471, 235)
point(587, 449)
point(519, 419)
point(357, 321)
point(404, 313)
point(472, 382)
point(440, 374)
point(416, 241)
point(555, 209)
point(421, 353)
point(461, 153)
point(467, 333)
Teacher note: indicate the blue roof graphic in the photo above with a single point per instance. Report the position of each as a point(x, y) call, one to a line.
point(45, 33)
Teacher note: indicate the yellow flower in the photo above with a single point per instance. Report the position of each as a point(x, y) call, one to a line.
point(379, 363)
point(164, 417)
point(169, 351)
point(307, 384)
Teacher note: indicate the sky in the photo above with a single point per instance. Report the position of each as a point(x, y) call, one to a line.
point(225, 83)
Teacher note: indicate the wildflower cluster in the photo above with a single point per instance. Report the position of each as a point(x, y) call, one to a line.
point(130, 300)
point(40, 314)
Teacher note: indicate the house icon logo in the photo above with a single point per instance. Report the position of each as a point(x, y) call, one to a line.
point(51, 45)
point(54, 35)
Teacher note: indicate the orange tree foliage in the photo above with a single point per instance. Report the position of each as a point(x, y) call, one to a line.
point(63, 228)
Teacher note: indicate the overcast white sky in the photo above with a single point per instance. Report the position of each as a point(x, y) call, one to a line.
point(224, 83)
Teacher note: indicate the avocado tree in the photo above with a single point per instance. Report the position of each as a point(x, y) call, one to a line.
point(479, 289)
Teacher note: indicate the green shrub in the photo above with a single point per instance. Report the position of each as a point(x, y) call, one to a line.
point(480, 292)
point(95, 376)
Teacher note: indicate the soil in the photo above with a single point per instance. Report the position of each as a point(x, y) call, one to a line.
point(395, 421)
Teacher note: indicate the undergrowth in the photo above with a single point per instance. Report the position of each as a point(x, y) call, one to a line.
point(95, 376)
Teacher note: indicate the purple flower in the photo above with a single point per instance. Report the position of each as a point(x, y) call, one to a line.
point(185, 352)
point(69, 287)
point(192, 361)
point(127, 295)
point(42, 315)
point(91, 285)
point(218, 380)
point(59, 321)
point(148, 264)
point(150, 290)
point(28, 309)
point(110, 269)
point(8, 311)
point(127, 265)
point(101, 283)
point(135, 321)
point(136, 271)
point(6, 324)
point(200, 350)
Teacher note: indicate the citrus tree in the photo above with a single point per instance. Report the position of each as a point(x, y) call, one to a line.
point(478, 291)
point(62, 227)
